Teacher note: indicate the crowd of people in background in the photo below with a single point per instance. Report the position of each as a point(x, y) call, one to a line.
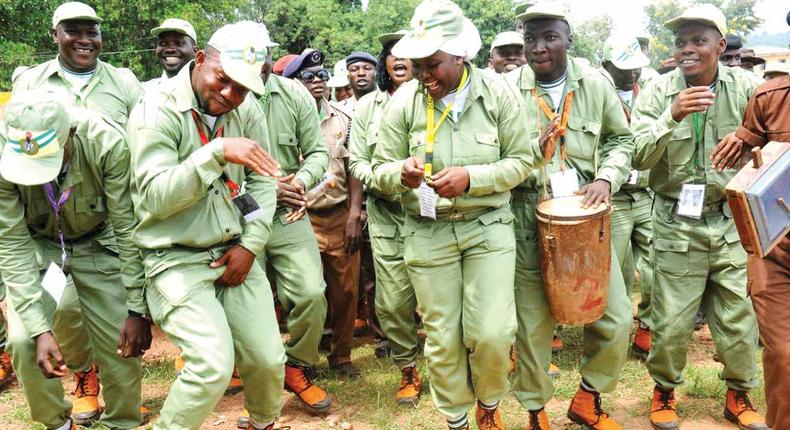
point(238, 197)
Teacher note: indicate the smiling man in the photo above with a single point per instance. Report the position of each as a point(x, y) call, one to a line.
point(560, 91)
point(176, 45)
point(507, 52)
point(698, 258)
point(193, 144)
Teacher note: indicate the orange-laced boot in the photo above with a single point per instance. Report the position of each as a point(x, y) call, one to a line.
point(6, 371)
point(538, 420)
point(269, 427)
point(489, 419)
point(178, 364)
point(235, 384)
point(642, 340)
point(739, 410)
point(553, 371)
point(298, 382)
point(409, 391)
point(557, 344)
point(86, 407)
point(663, 413)
point(586, 410)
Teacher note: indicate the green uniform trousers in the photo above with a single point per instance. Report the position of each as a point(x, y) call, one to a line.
point(215, 326)
point(700, 262)
point(292, 252)
point(632, 235)
point(395, 299)
point(462, 272)
point(95, 294)
point(605, 341)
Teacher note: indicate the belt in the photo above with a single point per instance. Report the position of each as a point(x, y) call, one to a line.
point(456, 216)
point(160, 251)
point(90, 235)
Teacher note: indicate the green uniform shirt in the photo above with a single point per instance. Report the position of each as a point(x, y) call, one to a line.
point(99, 172)
point(294, 130)
point(491, 139)
point(597, 140)
point(111, 91)
point(180, 197)
point(364, 136)
point(667, 147)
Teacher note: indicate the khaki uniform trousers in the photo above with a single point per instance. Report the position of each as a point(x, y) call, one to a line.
point(700, 261)
point(292, 252)
point(462, 270)
point(215, 327)
point(396, 301)
point(605, 341)
point(341, 273)
point(95, 298)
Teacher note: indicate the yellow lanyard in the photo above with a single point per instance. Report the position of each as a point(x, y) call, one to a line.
point(430, 129)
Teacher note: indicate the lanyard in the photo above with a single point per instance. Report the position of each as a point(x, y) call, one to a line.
point(430, 129)
point(564, 118)
point(57, 207)
point(699, 136)
point(234, 187)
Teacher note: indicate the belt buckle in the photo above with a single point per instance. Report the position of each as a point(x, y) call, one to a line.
point(455, 216)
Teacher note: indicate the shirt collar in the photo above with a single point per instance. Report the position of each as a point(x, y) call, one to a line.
point(678, 84)
point(184, 95)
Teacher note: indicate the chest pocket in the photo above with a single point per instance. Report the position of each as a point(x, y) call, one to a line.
point(680, 148)
point(287, 139)
point(417, 145)
point(487, 148)
point(582, 140)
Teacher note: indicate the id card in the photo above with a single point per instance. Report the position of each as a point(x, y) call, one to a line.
point(565, 183)
point(692, 197)
point(428, 199)
point(54, 282)
point(248, 207)
point(633, 177)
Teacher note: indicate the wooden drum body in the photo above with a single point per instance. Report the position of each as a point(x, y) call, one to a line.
point(575, 258)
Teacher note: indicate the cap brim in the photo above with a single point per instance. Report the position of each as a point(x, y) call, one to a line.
point(411, 47)
point(389, 37)
point(23, 170)
point(674, 23)
point(95, 19)
point(338, 82)
point(636, 62)
point(755, 60)
point(529, 16)
point(159, 30)
point(241, 72)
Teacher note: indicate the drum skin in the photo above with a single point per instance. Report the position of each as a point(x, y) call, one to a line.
point(575, 258)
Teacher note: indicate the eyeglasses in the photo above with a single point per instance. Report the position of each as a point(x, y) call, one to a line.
point(309, 75)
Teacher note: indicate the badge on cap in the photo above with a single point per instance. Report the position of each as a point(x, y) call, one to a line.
point(315, 57)
point(249, 55)
point(28, 145)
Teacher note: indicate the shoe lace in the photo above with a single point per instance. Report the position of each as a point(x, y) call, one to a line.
point(666, 398)
point(598, 409)
point(409, 377)
point(534, 420)
point(82, 380)
point(489, 418)
point(304, 378)
point(743, 402)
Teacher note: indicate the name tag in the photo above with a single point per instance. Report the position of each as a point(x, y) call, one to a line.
point(692, 197)
point(248, 207)
point(565, 183)
point(54, 282)
point(428, 198)
point(633, 177)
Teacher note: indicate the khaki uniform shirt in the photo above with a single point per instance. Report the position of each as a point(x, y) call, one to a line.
point(667, 147)
point(491, 140)
point(767, 116)
point(598, 142)
point(155, 83)
point(180, 198)
point(335, 126)
point(111, 91)
point(364, 137)
point(294, 130)
point(100, 205)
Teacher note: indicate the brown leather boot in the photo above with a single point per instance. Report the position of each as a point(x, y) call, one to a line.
point(489, 419)
point(538, 420)
point(7, 376)
point(557, 344)
point(586, 410)
point(86, 409)
point(663, 413)
point(235, 385)
point(409, 391)
point(298, 382)
point(642, 341)
point(739, 410)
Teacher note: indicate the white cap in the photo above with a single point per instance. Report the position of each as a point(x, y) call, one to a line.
point(243, 47)
point(339, 78)
point(624, 52)
point(704, 13)
point(74, 10)
point(175, 25)
point(777, 68)
point(438, 25)
point(507, 38)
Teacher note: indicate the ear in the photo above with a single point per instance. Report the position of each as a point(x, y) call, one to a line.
point(458, 60)
point(570, 42)
point(53, 32)
point(722, 46)
point(490, 62)
point(200, 58)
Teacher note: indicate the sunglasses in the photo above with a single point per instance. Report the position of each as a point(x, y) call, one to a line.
point(309, 75)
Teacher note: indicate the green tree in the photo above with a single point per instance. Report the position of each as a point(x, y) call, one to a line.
point(589, 36)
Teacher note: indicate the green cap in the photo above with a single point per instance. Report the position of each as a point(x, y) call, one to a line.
point(706, 14)
point(37, 127)
point(522, 7)
point(624, 52)
point(386, 38)
point(243, 47)
point(507, 38)
point(177, 26)
point(545, 9)
point(435, 22)
point(74, 11)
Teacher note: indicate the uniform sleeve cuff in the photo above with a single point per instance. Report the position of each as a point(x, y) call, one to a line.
point(253, 245)
point(750, 138)
point(390, 177)
point(209, 160)
point(306, 178)
point(481, 181)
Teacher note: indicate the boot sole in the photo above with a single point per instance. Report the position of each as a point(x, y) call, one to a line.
point(733, 419)
point(86, 420)
point(409, 401)
point(663, 427)
point(317, 408)
point(579, 420)
point(231, 391)
point(639, 352)
point(242, 422)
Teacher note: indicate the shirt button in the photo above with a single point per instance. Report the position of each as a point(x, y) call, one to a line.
point(216, 191)
point(227, 230)
point(93, 206)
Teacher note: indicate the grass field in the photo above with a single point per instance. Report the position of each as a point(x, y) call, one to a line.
point(367, 403)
